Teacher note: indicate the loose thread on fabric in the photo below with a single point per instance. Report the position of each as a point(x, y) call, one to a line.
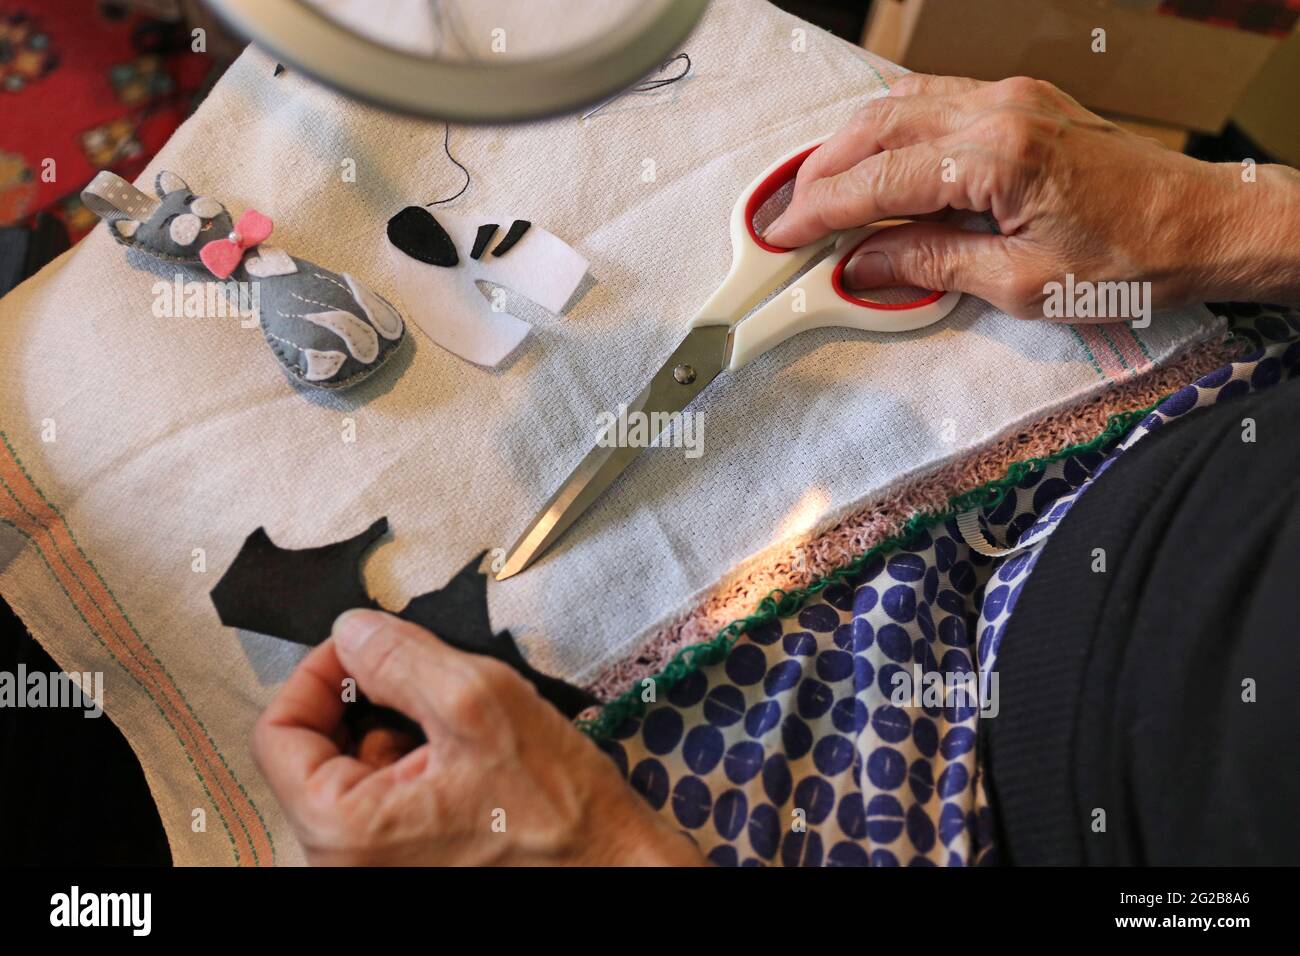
point(647, 85)
point(446, 148)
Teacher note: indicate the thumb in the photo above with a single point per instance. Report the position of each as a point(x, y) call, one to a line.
point(935, 256)
point(396, 663)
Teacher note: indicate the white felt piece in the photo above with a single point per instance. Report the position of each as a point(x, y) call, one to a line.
point(210, 441)
point(168, 182)
point(359, 337)
point(447, 303)
point(381, 315)
point(270, 261)
point(541, 266)
point(205, 207)
point(185, 228)
point(322, 365)
point(448, 307)
point(126, 227)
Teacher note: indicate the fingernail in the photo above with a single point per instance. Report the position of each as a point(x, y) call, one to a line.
point(353, 628)
point(772, 226)
point(868, 270)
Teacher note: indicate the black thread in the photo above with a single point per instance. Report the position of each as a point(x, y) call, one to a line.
point(446, 147)
point(646, 86)
point(656, 84)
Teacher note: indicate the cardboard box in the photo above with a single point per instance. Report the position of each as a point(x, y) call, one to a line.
point(1167, 69)
point(1269, 113)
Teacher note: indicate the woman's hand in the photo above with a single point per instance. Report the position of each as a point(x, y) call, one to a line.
point(1071, 193)
point(502, 779)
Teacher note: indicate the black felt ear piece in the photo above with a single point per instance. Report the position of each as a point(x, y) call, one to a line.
point(516, 232)
point(420, 236)
point(485, 234)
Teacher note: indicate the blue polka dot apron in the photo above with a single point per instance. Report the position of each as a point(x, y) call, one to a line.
point(844, 734)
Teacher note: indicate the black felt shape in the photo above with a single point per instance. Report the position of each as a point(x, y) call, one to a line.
point(516, 232)
point(296, 595)
point(459, 615)
point(420, 236)
point(485, 234)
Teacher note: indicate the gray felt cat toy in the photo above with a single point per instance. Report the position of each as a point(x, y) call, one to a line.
point(327, 329)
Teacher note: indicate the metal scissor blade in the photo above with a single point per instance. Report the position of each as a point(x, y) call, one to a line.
point(689, 370)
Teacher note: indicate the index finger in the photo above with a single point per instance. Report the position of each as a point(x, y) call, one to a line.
point(880, 124)
point(898, 182)
point(918, 107)
point(294, 739)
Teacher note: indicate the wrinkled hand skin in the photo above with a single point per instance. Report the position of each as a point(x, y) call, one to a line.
point(1071, 192)
point(497, 753)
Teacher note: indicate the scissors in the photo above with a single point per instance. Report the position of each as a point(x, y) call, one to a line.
point(726, 333)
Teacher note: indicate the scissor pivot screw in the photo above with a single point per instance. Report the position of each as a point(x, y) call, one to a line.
point(684, 374)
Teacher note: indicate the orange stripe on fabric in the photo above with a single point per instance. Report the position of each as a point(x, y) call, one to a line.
point(31, 513)
point(1128, 346)
point(1101, 350)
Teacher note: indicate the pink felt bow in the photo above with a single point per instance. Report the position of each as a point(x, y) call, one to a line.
point(221, 256)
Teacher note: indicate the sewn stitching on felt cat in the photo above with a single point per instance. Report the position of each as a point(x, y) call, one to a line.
point(327, 329)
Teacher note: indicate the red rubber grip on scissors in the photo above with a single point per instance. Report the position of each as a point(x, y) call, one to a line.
point(837, 283)
point(769, 188)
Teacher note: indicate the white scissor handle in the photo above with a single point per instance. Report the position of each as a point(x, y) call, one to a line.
point(819, 299)
point(758, 267)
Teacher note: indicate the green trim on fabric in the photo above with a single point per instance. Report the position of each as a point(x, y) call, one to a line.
point(780, 603)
